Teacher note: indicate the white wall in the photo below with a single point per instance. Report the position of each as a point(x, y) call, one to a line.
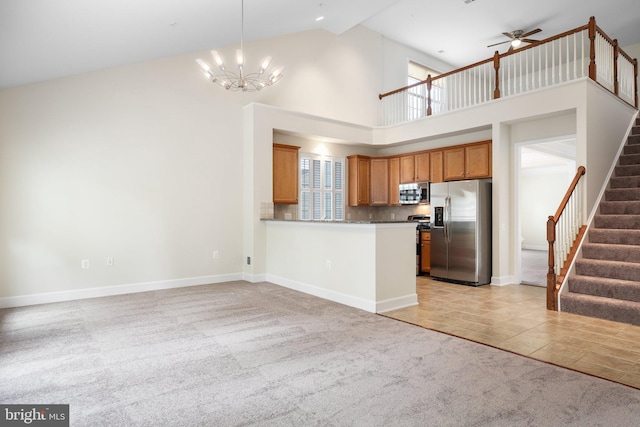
point(145, 163)
point(541, 191)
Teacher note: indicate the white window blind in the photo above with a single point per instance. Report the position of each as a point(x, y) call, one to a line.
point(321, 188)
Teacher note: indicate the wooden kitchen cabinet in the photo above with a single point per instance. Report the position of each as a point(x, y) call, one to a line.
point(467, 162)
point(379, 181)
point(425, 251)
point(394, 181)
point(478, 160)
point(414, 168)
point(437, 172)
point(422, 167)
point(285, 174)
point(453, 164)
point(359, 186)
point(407, 169)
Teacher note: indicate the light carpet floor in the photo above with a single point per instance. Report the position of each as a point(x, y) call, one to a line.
point(240, 354)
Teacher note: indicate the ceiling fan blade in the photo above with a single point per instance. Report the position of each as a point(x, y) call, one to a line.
point(509, 35)
point(530, 41)
point(537, 30)
point(510, 49)
point(496, 44)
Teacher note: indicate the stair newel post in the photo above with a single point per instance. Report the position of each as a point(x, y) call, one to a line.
point(428, 94)
point(592, 48)
point(616, 53)
point(496, 66)
point(551, 274)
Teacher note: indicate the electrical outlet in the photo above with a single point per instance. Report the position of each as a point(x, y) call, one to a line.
point(110, 261)
point(248, 260)
point(85, 263)
point(216, 255)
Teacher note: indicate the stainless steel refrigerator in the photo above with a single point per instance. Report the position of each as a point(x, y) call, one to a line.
point(461, 231)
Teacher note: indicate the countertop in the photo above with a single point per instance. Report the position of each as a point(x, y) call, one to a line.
point(349, 221)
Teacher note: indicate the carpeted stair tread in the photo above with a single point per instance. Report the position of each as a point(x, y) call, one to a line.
point(626, 221)
point(616, 237)
point(630, 159)
point(631, 149)
point(608, 269)
point(608, 252)
point(633, 139)
point(624, 194)
point(625, 181)
point(620, 207)
point(600, 307)
point(602, 287)
point(627, 170)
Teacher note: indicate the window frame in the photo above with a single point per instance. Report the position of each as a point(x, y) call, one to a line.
point(322, 196)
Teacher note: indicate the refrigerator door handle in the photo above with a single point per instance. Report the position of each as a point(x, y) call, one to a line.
point(447, 218)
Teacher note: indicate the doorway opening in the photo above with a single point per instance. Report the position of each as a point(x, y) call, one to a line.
point(544, 171)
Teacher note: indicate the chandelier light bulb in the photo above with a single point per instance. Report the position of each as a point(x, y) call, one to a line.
point(217, 59)
point(265, 64)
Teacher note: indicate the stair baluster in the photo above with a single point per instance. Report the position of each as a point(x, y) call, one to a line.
point(564, 229)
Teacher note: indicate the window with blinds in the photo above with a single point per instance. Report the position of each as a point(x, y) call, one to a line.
point(321, 188)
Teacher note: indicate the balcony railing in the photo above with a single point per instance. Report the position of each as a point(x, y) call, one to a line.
point(583, 52)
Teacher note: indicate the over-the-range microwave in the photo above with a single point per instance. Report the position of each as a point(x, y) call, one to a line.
point(414, 193)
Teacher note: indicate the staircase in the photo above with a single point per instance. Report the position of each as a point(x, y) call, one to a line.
point(607, 279)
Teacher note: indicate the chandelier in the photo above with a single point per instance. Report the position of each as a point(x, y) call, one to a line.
point(240, 80)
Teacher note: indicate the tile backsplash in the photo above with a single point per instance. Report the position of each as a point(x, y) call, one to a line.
point(360, 213)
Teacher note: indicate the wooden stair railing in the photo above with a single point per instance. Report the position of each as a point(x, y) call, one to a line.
point(571, 219)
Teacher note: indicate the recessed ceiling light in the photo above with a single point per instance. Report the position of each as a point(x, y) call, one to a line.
point(319, 18)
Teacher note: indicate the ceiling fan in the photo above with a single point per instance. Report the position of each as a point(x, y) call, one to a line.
point(517, 37)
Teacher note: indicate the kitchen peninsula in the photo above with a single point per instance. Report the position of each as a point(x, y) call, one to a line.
point(364, 264)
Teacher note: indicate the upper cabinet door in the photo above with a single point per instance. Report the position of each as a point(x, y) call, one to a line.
point(379, 182)
point(285, 174)
point(437, 173)
point(407, 169)
point(422, 167)
point(394, 181)
point(358, 176)
point(454, 164)
point(478, 161)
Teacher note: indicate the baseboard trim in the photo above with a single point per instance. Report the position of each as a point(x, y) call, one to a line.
point(105, 291)
point(254, 278)
point(397, 303)
point(536, 247)
point(503, 280)
point(334, 296)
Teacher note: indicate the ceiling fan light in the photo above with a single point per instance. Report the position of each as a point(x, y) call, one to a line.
point(516, 42)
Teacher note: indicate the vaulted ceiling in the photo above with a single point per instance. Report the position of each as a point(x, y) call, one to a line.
point(44, 39)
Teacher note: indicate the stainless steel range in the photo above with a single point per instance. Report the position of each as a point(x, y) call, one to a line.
point(423, 223)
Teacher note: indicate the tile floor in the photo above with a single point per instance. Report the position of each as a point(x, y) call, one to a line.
point(515, 318)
